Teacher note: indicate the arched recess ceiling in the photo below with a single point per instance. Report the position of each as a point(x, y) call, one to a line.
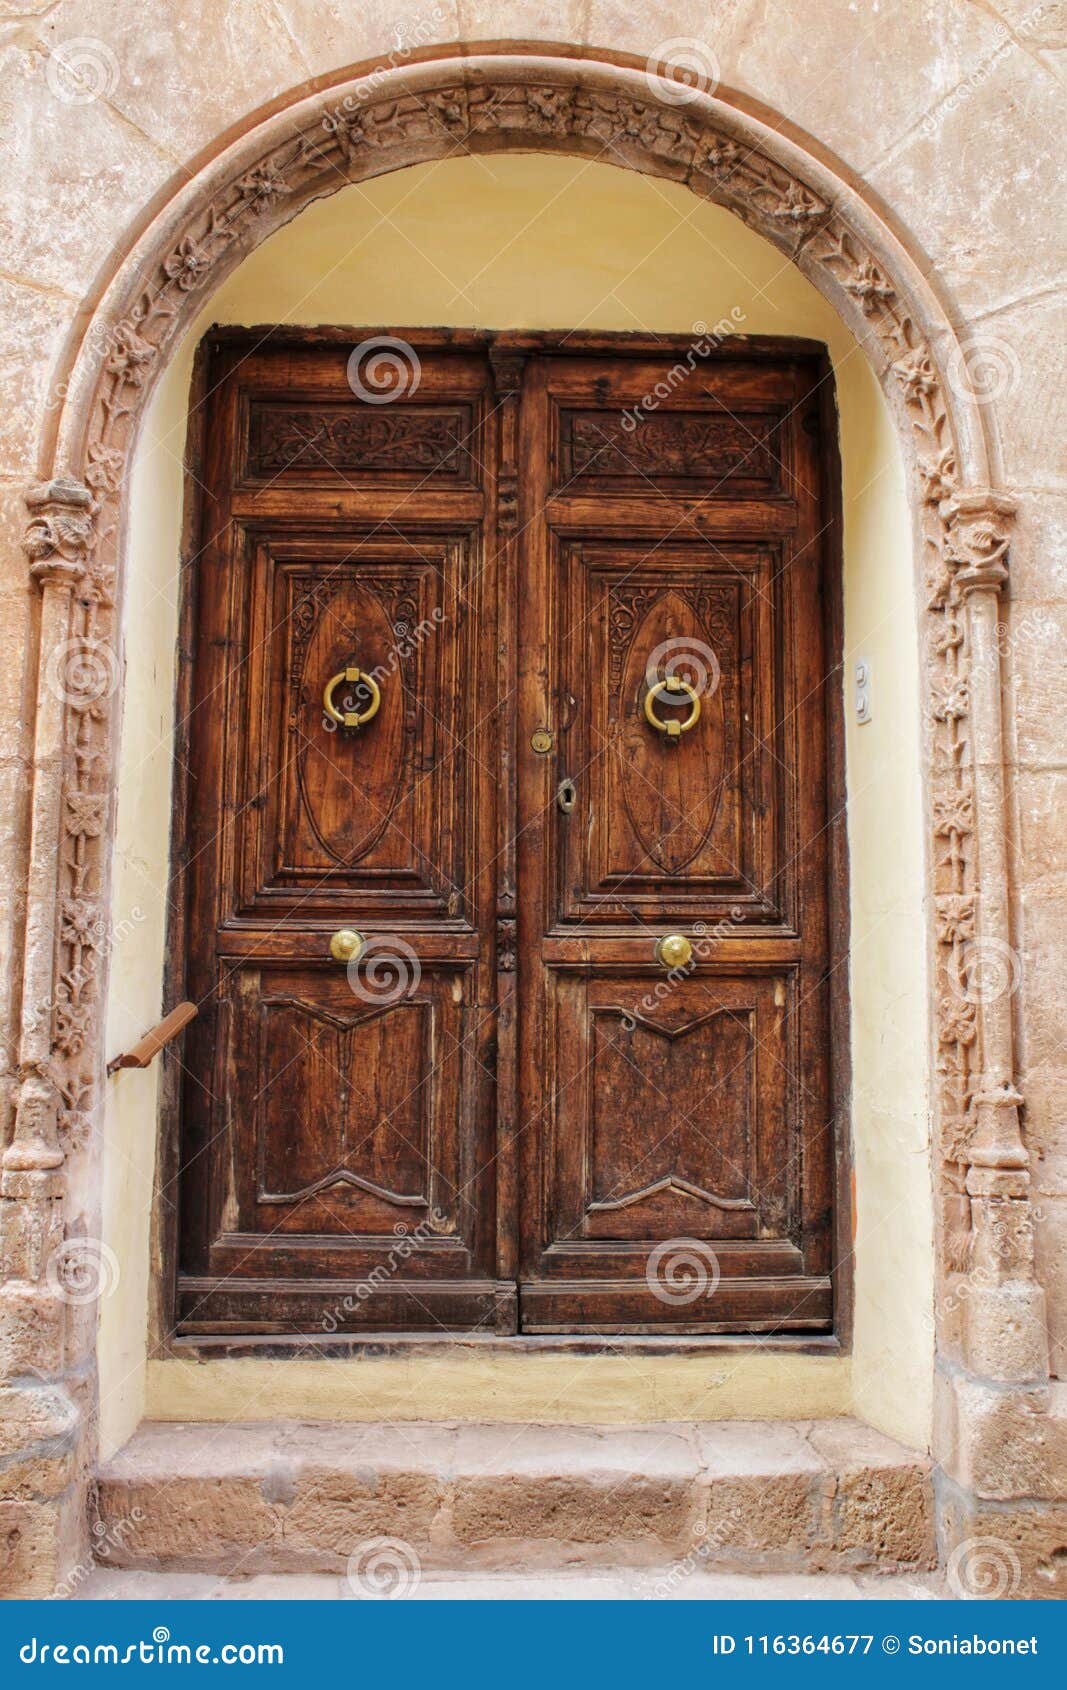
point(495, 101)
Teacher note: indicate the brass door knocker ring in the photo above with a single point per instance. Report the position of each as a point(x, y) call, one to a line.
point(351, 676)
point(676, 689)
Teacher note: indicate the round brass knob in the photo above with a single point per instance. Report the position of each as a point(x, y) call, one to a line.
point(674, 951)
point(345, 944)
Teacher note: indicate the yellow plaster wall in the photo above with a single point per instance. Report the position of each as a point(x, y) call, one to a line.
point(545, 242)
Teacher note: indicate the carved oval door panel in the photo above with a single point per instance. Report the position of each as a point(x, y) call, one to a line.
point(671, 786)
point(350, 779)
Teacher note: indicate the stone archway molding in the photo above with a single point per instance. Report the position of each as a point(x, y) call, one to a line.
point(990, 1326)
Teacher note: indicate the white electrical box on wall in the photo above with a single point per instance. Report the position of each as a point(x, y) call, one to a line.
point(863, 690)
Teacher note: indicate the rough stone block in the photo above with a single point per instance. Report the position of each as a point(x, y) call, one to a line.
point(1050, 1240)
point(1008, 1443)
point(40, 1544)
point(994, 1551)
point(190, 1522)
point(1005, 1334)
point(573, 1485)
point(31, 1330)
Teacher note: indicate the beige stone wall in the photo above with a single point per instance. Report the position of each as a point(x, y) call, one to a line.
point(945, 109)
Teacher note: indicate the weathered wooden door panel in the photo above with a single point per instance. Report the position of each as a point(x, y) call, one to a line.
point(376, 822)
point(686, 829)
point(338, 1122)
point(683, 1155)
point(659, 1135)
point(589, 588)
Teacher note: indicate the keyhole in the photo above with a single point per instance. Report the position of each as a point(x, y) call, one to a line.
point(567, 796)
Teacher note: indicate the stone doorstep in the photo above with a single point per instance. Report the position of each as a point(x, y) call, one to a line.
point(732, 1496)
point(586, 1584)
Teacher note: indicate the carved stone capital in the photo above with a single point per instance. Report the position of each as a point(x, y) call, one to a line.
point(998, 1139)
point(979, 530)
point(59, 532)
point(35, 1147)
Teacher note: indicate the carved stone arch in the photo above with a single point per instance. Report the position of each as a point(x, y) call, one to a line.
point(504, 100)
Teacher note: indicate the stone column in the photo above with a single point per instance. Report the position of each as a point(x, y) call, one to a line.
point(42, 1460)
point(1001, 1448)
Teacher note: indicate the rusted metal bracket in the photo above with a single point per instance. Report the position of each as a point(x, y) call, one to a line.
point(152, 1043)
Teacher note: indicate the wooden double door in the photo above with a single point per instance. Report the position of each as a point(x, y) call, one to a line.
point(504, 693)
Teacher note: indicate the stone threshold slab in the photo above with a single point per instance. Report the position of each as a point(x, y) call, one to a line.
point(290, 1497)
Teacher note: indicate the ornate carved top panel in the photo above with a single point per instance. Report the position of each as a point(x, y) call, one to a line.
point(702, 446)
point(409, 441)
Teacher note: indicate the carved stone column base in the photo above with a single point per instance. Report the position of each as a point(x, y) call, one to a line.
point(44, 1546)
point(997, 1141)
point(32, 1330)
point(31, 1222)
point(1004, 1332)
point(44, 1454)
point(999, 1443)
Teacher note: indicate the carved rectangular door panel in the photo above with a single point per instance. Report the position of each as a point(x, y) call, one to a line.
point(521, 678)
point(673, 646)
point(338, 1117)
